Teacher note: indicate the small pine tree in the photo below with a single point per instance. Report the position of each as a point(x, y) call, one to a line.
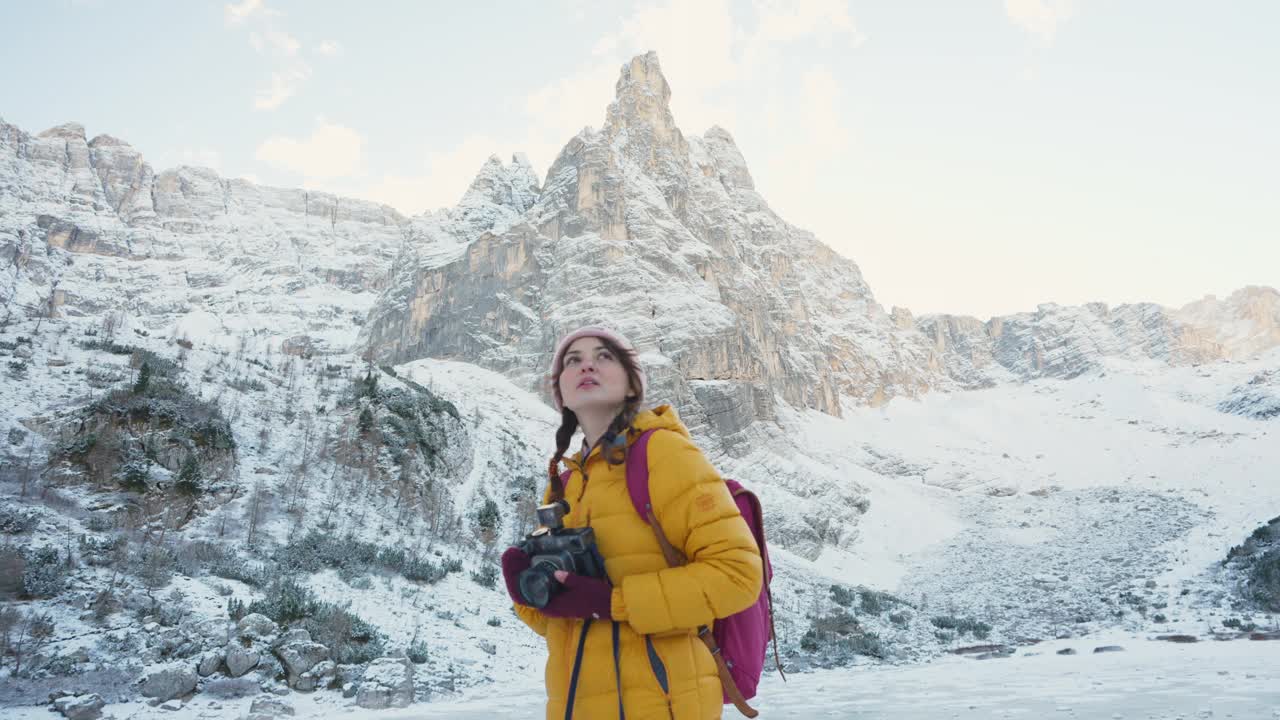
point(365, 423)
point(190, 479)
point(369, 385)
point(418, 652)
point(486, 576)
point(488, 516)
point(45, 574)
point(133, 475)
point(144, 378)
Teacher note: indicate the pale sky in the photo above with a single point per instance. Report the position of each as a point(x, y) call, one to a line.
point(976, 157)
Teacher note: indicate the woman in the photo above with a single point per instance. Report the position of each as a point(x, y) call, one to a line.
point(644, 615)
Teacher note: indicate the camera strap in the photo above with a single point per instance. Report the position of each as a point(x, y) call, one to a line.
point(617, 670)
point(577, 667)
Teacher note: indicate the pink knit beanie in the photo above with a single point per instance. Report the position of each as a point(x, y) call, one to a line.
point(595, 331)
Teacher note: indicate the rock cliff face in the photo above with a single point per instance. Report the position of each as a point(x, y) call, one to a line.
point(88, 228)
point(1064, 342)
point(664, 237)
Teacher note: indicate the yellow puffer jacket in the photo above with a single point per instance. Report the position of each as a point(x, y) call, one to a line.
point(657, 606)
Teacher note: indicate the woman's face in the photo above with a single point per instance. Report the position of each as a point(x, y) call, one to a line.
point(593, 377)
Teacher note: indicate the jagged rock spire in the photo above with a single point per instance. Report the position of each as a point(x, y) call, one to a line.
point(641, 111)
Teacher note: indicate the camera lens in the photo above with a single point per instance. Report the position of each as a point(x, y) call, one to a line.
point(537, 584)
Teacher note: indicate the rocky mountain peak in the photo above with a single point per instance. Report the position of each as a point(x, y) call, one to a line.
point(66, 131)
point(515, 186)
point(102, 141)
point(641, 94)
point(728, 158)
point(639, 120)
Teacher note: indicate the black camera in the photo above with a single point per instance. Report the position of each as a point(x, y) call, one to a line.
point(553, 547)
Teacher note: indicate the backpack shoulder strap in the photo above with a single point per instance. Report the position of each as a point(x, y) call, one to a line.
point(638, 489)
point(638, 473)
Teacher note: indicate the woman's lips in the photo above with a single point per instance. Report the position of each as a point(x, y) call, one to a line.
point(587, 382)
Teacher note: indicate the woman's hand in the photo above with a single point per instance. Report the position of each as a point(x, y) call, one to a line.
point(514, 562)
point(581, 597)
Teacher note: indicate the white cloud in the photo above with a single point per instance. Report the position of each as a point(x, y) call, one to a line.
point(282, 43)
point(284, 85)
point(1040, 18)
point(331, 151)
point(288, 76)
point(236, 14)
point(779, 23)
point(329, 48)
point(288, 70)
point(278, 43)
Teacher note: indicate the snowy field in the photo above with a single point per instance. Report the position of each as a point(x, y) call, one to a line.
point(1150, 679)
point(1147, 680)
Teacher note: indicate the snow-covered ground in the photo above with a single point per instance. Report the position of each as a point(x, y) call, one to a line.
point(1035, 507)
point(1147, 680)
point(1031, 505)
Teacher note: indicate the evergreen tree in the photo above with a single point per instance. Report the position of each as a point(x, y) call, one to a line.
point(144, 378)
point(189, 478)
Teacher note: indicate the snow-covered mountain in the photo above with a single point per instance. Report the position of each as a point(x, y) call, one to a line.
point(664, 236)
point(1065, 342)
point(211, 385)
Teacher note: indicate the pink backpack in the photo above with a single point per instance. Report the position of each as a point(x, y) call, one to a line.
point(740, 641)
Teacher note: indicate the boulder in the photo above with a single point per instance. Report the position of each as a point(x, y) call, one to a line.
point(214, 631)
point(320, 676)
point(300, 345)
point(210, 662)
point(269, 707)
point(80, 707)
point(387, 682)
point(169, 682)
point(296, 635)
point(350, 673)
point(240, 659)
point(256, 626)
point(299, 657)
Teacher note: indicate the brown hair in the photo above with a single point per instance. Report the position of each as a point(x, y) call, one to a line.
point(614, 440)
